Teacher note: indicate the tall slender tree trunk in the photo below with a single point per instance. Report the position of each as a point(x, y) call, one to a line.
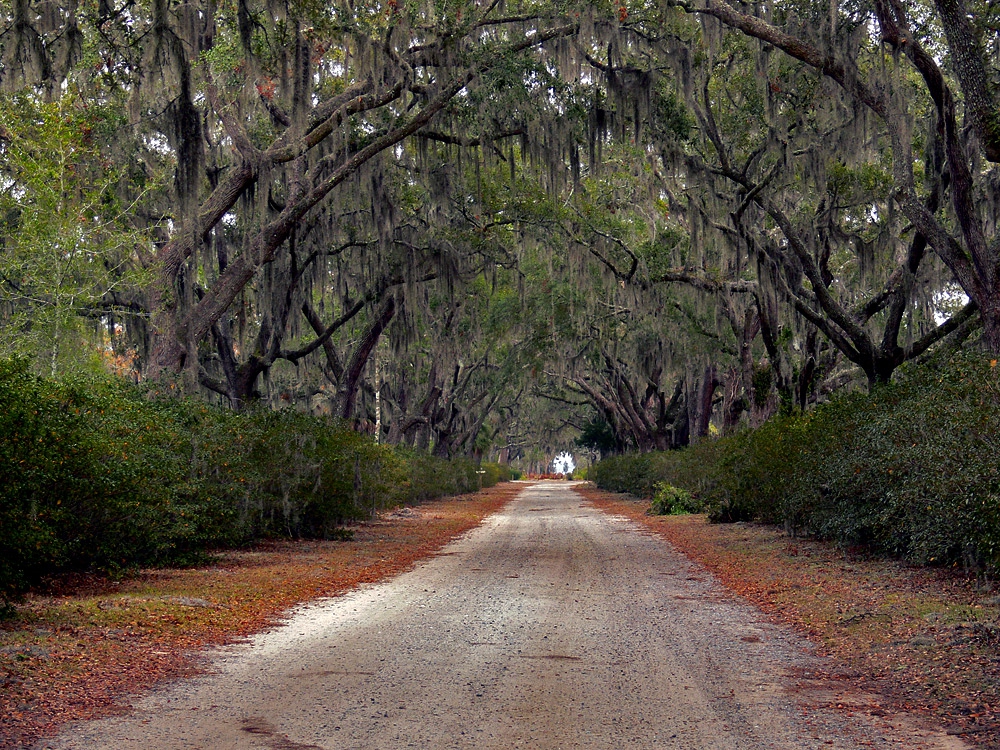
point(355, 368)
point(378, 399)
point(702, 417)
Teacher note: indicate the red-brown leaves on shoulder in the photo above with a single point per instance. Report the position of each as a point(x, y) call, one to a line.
point(78, 649)
point(924, 640)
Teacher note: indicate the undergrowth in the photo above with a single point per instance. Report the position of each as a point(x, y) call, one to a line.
point(909, 470)
point(99, 474)
point(673, 501)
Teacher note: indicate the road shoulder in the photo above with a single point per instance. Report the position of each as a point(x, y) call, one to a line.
point(904, 640)
point(80, 649)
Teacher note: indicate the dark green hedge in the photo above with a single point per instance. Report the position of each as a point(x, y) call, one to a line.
point(428, 476)
point(98, 474)
point(693, 469)
point(911, 470)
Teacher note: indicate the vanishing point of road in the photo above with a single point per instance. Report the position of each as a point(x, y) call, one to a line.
point(552, 625)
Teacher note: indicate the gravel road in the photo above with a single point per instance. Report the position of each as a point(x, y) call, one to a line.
point(552, 625)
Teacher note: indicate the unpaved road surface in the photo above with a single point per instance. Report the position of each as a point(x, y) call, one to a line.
point(550, 626)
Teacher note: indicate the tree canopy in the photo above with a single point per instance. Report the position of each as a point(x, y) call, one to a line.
point(493, 227)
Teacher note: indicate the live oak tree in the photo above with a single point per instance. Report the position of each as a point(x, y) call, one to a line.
point(397, 75)
point(818, 222)
point(888, 79)
point(458, 225)
point(265, 110)
point(786, 193)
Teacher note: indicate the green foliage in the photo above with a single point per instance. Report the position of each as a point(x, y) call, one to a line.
point(430, 476)
point(68, 245)
point(909, 470)
point(598, 435)
point(98, 474)
point(638, 473)
point(673, 501)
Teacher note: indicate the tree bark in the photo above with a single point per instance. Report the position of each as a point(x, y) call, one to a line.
point(970, 65)
point(356, 365)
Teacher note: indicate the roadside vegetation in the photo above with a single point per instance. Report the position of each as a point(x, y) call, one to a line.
point(99, 474)
point(908, 470)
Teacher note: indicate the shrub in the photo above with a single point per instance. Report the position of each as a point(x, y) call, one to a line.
point(494, 474)
point(673, 501)
point(99, 474)
point(637, 473)
point(908, 470)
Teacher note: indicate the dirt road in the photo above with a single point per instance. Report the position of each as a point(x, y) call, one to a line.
point(550, 626)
